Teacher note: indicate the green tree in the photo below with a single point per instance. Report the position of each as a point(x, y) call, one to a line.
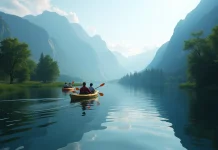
point(146, 78)
point(13, 56)
point(4, 32)
point(202, 60)
point(47, 69)
point(26, 71)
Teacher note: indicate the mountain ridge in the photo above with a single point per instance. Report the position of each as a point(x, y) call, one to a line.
point(174, 58)
point(17, 26)
point(100, 62)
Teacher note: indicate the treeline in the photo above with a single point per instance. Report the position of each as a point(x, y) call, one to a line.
point(147, 78)
point(16, 65)
point(203, 59)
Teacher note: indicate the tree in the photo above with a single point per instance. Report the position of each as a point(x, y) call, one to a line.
point(4, 29)
point(25, 72)
point(13, 56)
point(47, 69)
point(202, 60)
point(146, 78)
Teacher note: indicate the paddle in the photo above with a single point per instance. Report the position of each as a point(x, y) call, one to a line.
point(100, 85)
point(101, 94)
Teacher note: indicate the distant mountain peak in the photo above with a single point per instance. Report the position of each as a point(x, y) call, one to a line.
point(49, 12)
point(97, 37)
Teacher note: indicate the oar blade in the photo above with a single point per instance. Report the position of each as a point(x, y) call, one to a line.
point(102, 84)
point(101, 94)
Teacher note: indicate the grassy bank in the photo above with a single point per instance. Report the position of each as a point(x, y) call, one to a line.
point(31, 84)
point(187, 85)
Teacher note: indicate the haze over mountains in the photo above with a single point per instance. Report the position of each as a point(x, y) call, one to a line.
point(78, 54)
point(171, 57)
point(138, 62)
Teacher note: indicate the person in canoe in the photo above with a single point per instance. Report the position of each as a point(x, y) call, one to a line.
point(69, 85)
point(84, 89)
point(91, 89)
point(65, 85)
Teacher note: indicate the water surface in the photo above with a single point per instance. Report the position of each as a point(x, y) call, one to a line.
point(124, 118)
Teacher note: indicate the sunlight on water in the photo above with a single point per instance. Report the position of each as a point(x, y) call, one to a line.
point(123, 119)
point(131, 125)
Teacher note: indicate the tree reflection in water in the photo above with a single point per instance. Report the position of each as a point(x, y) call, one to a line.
point(203, 115)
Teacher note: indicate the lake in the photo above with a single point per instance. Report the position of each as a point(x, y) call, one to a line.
point(125, 118)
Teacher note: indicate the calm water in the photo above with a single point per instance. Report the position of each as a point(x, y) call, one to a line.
point(123, 119)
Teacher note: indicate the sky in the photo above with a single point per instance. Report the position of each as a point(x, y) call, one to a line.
point(128, 26)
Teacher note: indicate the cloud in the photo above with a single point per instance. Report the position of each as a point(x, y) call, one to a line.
point(13, 7)
point(71, 16)
point(34, 7)
point(91, 30)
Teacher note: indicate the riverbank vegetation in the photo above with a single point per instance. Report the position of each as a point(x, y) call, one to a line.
point(202, 60)
point(146, 78)
point(16, 66)
point(31, 84)
point(202, 70)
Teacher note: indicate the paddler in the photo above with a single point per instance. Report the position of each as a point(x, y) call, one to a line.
point(84, 89)
point(91, 89)
point(65, 85)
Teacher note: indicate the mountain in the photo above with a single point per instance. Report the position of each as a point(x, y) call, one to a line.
point(110, 64)
point(106, 57)
point(136, 62)
point(158, 56)
point(36, 37)
point(87, 57)
point(122, 60)
point(140, 61)
point(203, 18)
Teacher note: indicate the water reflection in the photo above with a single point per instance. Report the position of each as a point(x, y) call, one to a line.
point(86, 104)
point(22, 111)
point(203, 116)
point(41, 114)
point(127, 118)
point(132, 121)
point(192, 114)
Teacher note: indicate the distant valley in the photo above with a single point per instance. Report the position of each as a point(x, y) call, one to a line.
point(138, 62)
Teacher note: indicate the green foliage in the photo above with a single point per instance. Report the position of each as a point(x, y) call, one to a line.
point(31, 84)
point(187, 85)
point(25, 72)
point(14, 57)
point(16, 64)
point(47, 69)
point(203, 58)
point(147, 78)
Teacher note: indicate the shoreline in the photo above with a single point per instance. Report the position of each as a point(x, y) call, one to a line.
point(31, 84)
